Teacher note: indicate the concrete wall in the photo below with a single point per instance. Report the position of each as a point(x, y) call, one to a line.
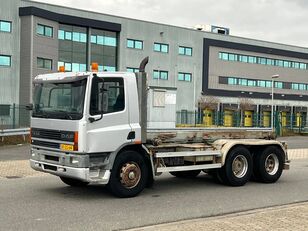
point(9, 76)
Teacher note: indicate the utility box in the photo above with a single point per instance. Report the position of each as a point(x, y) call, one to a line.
point(161, 107)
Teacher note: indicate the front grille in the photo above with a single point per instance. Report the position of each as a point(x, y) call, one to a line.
point(52, 134)
point(53, 158)
point(45, 144)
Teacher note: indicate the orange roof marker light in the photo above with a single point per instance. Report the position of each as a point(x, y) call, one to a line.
point(94, 67)
point(61, 69)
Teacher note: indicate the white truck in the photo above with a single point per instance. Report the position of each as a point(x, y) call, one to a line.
point(91, 127)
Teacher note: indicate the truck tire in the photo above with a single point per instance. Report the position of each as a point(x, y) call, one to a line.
point(268, 165)
point(186, 174)
point(238, 167)
point(73, 182)
point(129, 175)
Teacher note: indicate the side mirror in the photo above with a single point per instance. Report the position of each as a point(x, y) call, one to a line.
point(96, 109)
point(95, 118)
point(29, 107)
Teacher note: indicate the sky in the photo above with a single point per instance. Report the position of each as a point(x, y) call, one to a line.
point(281, 21)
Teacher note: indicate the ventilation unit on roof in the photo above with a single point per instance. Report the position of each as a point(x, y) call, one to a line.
point(213, 29)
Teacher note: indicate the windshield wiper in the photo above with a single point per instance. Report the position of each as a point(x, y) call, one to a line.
point(40, 114)
point(68, 116)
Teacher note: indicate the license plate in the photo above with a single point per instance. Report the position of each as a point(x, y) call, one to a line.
point(67, 147)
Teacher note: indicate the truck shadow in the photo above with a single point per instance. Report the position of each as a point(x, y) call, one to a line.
point(165, 184)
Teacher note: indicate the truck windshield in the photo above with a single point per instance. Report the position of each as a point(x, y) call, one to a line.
point(59, 100)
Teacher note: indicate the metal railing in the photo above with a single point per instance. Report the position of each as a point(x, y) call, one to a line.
point(14, 116)
point(239, 119)
point(14, 132)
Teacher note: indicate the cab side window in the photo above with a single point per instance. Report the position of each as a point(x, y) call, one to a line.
point(107, 96)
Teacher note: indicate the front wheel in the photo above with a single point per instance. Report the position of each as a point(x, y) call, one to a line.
point(268, 165)
point(238, 167)
point(73, 182)
point(128, 175)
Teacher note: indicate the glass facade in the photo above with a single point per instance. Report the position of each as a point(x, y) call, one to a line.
point(160, 75)
point(185, 51)
point(75, 43)
point(160, 47)
point(5, 60)
point(72, 47)
point(104, 49)
point(262, 60)
point(5, 26)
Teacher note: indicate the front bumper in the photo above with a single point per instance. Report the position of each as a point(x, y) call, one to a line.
point(84, 174)
point(68, 165)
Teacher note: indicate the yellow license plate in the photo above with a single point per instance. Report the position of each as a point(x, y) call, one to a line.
point(67, 147)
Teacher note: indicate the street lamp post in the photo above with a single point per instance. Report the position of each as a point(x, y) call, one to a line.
point(272, 115)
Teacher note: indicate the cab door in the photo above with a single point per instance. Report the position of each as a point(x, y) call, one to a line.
point(109, 132)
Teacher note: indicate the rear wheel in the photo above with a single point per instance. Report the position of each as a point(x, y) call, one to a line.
point(129, 175)
point(73, 182)
point(186, 174)
point(268, 165)
point(238, 167)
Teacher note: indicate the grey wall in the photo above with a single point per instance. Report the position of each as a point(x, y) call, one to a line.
point(9, 76)
point(26, 52)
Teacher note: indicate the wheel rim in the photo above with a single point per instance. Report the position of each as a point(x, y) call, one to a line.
point(130, 175)
point(271, 164)
point(240, 166)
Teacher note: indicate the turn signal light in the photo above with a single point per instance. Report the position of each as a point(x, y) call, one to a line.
point(75, 141)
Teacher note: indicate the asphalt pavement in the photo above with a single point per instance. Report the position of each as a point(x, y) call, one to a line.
point(45, 203)
point(32, 200)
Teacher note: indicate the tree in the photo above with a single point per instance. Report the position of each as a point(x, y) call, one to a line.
point(208, 102)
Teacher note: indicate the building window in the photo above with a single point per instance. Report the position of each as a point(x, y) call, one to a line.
point(299, 86)
point(73, 66)
point(232, 81)
point(184, 76)
point(260, 60)
point(5, 26)
point(5, 60)
point(73, 36)
point(160, 47)
point(104, 40)
point(44, 30)
point(132, 69)
point(5, 110)
point(106, 68)
point(185, 51)
point(135, 44)
point(278, 85)
point(262, 83)
point(160, 75)
point(44, 63)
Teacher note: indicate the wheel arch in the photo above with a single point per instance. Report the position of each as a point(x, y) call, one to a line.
point(142, 150)
point(253, 146)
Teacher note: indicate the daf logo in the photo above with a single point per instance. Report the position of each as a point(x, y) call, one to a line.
point(66, 136)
